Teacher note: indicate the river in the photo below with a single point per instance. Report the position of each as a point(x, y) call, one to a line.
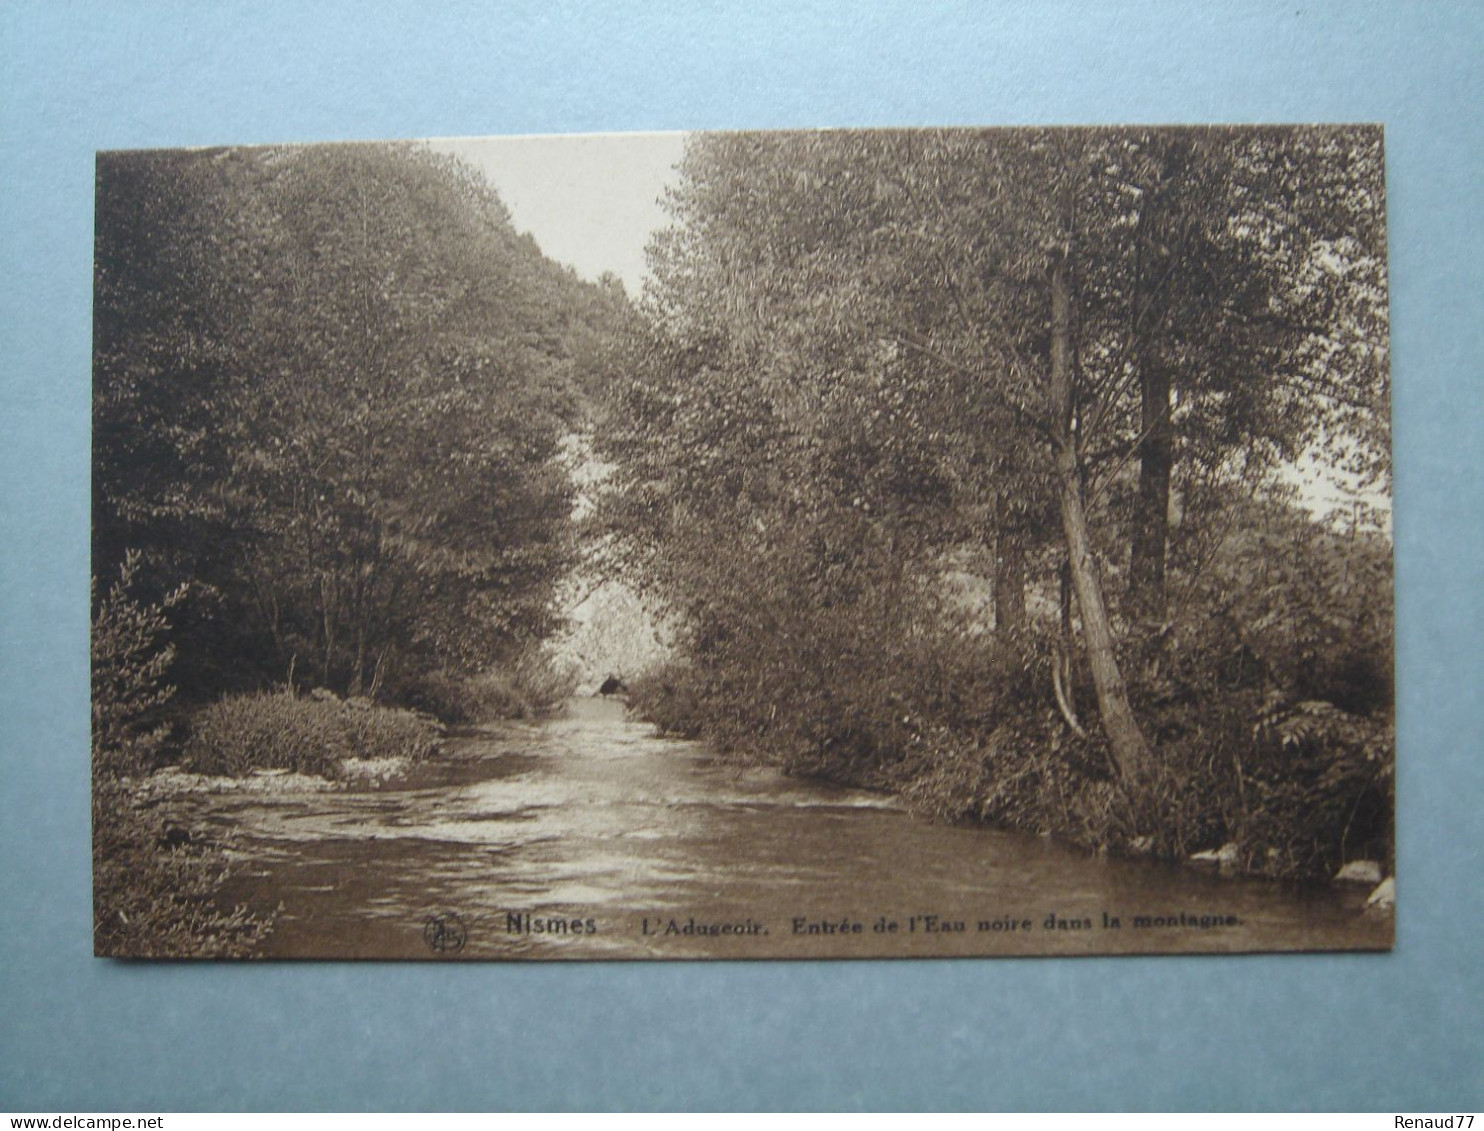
point(587, 836)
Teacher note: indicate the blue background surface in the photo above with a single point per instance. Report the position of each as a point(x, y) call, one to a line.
point(1400, 1031)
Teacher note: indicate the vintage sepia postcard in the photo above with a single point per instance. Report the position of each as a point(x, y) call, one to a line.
point(828, 544)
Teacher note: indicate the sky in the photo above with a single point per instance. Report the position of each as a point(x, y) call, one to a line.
point(590, 200)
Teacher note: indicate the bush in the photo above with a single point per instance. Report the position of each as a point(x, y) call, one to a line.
point(859, 692)
point(386, 732)
point(130, 658)
point(153, 898)
point(671, 697)
point(1265, 696)
point(438, 693)
point(1320, 782)
point(305, 734)
point(530, 688)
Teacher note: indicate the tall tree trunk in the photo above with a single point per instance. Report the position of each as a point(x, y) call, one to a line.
point(1061, 664)
point(1130, 751)
point(1146, 574)
point(327, 613)
point(358, 671)
point(1158, 244)
point(1009, 576)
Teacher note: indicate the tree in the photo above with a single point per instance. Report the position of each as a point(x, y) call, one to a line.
point(1253, 264)
point(330, 385)
point(873, 259)
point(1039, 310)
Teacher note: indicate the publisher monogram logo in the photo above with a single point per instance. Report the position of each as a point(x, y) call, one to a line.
point(445, 934)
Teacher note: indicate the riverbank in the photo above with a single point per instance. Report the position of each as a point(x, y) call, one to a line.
point(158, 874)
point(1301, 795)
point(592, 815)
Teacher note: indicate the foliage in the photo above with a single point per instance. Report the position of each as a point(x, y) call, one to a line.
point(862, 686)
point(154, 893)
point(130, 661)
point(1321, 789)
point(1268, 699)
point(671, 696)
point(306, 734)
point(152, 898)
point(871, 355)
point(330, 385)
point(530, 686)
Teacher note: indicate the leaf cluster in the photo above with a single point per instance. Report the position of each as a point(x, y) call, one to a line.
point(843, 395)
point(329, 387)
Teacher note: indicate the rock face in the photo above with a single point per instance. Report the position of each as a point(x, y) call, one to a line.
point(1384, 895)
point(1359, 872)
point(611, 631)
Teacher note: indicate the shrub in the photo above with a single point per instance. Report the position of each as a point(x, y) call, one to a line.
point(149, 901)
point(671, 697)
point(387, 732)
point(1321, 781)
point(305, 734)
point(130, 658)
point(529, 687)
point(858, 692)
point(155, 901)
point(438, 693)
point(838, 664)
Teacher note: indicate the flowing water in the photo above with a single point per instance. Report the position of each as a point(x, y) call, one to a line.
point(587, 836)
